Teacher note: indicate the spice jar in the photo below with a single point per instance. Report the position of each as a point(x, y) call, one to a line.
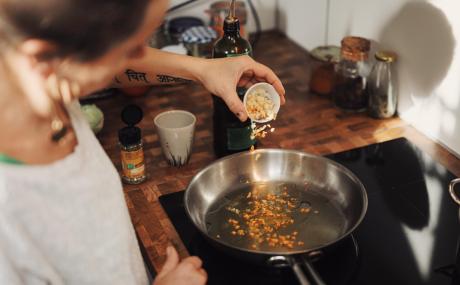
point(352, 72)
point(383, 96)
point(130, 142)
point(322, 78)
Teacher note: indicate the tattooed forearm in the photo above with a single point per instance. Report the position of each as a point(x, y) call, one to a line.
point(136, 76)
point(169, 79)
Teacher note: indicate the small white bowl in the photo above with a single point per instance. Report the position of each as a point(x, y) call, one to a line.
point(273, 95)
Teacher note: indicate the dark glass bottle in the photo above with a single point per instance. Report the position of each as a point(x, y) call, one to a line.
point(230, 134)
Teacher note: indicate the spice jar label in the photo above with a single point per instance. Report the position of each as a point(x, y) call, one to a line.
point(133, 163)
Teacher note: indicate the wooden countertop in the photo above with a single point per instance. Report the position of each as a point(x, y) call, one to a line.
point(307, 122)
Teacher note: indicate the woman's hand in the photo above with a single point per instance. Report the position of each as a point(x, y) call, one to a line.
point(222, 76)
point(186, 272)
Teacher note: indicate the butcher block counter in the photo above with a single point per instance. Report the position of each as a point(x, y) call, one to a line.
point(307, 122)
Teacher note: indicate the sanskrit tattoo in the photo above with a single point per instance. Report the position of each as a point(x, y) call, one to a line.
point(136, 76)
point(169, 79)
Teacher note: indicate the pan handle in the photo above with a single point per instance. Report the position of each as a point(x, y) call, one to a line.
point(313, 274)
point(282, 261)
point(303, 279)
point(296, 262)
point(452, 191)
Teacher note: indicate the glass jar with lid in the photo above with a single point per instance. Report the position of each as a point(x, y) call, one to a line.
point(322, 77)
point(383, 97)
point(352, 73)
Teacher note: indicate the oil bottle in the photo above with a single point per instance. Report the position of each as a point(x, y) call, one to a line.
point(230, 134)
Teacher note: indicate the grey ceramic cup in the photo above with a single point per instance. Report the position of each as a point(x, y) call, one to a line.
point(175, 130)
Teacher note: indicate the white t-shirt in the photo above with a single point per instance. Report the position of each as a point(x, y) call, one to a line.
point(67, 222)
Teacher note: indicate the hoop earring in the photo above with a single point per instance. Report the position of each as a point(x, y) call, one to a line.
point(62, 92)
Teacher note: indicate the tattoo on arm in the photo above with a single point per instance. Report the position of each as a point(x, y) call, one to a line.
point(169, 79)
point(117, 80)
point(136, 75)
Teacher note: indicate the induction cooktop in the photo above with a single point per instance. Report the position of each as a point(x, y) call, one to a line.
point(409, 235)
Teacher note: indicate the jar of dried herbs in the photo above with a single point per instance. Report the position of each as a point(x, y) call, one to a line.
point(351, 92)
point(383, 97)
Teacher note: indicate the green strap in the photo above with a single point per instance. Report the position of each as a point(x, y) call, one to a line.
point(8, 160)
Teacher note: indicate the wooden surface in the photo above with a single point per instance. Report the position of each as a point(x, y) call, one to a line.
point(307, 122)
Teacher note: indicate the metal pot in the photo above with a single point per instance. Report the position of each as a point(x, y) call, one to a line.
point(455, 197)
point(335, 192)
point(452, 190)
point(453, 194)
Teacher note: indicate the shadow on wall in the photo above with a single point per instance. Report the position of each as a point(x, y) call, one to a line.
point(423, 38)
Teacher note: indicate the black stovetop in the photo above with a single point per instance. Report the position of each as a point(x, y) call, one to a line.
point(409, 234)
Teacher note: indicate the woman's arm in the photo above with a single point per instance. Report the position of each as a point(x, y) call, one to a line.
point(159, 67)
point(219, 76)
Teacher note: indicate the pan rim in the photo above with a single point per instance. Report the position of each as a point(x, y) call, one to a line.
point(342, 168)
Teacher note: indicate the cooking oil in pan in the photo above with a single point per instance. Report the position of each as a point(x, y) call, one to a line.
point(310, 218)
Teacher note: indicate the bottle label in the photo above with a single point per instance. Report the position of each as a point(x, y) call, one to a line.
point(133, 163)
point(239, 138)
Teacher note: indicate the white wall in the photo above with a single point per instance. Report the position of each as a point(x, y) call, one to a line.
point(265, 8)
point(304, 21)
point(424, 34)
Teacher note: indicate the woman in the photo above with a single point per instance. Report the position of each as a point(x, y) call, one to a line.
point(63, 218)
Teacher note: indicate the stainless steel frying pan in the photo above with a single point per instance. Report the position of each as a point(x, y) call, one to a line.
point(454, 195)
point(336, 197)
